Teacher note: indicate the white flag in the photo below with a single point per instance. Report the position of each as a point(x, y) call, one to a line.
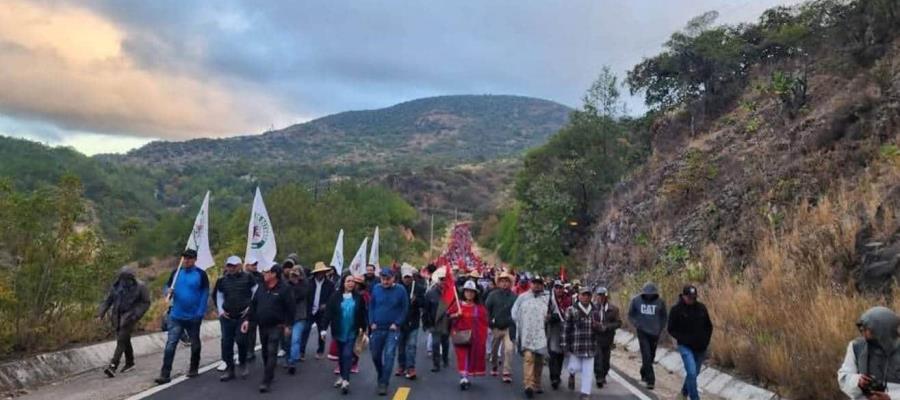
point(199, 238)
point(358, 265)
point(337, 258)
point(373, 253)
point(260, 235)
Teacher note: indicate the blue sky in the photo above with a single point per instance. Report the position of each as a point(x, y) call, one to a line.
point(108, 76)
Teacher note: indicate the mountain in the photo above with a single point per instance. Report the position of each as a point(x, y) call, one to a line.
point(430, 131)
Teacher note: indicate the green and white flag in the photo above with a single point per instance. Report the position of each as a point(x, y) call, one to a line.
point(337, 258)
point(199, 238)
point(260, 236)
point(358, 265)
point(373, 253)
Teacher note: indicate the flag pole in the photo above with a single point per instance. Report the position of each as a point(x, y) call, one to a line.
point(175, 278)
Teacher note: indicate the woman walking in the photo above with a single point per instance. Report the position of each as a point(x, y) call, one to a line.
point(346, 314)
point(468, 332)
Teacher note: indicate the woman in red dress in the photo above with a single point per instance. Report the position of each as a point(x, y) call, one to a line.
point(469, 316)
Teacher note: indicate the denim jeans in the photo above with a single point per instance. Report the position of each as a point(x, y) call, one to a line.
point(346, 356)
point(296, 341)
point(176, 328)
point(692, 362)
point(231, 334)
point(383, 345)
point(318, 319)
point(406, 349)
point(440, 349)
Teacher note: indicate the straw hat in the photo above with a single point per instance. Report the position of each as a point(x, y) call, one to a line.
point(321, 267)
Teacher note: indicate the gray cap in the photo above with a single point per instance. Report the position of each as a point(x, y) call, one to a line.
point(650, 288)
point(601, 290)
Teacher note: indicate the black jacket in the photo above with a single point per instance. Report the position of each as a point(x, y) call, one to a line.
point(499, 306)
point(236, 290)
point(690, 325)
point(327, 291)
point(332, 315)
point(271, 307)
point(127, 300)
point(417, 304)
point(300, 292)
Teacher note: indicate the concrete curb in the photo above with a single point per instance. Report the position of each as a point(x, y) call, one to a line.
point(710, 380)
point(56, 366)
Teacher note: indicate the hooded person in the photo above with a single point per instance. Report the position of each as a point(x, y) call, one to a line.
point(648, 314)
point(125, 303)
point(871, 367)
point(530, 312)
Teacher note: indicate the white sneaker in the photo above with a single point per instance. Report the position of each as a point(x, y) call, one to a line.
point(281, 353)
point(345, 387)
point(222, 366)
point(339, 382)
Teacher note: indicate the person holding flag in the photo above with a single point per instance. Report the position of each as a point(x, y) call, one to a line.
point(468, 333)
point(187, 293)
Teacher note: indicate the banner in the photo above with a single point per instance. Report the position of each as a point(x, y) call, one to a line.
point(260, 235)
point(199, 238)
point(373, 253)
point(358, 265)
point(337, 258)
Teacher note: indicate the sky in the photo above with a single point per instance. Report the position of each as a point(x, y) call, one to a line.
point(109, 76)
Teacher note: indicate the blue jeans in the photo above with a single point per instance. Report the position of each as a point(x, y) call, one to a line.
point(692, 362)
point(176, 328)
point(296, 339)
point(383, 345)
point(406, 349)
point(231, 334)
point(345, 356)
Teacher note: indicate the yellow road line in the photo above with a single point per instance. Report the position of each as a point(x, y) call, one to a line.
point(402, 393)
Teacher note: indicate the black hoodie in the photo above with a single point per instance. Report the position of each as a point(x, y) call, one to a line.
point(690, 325)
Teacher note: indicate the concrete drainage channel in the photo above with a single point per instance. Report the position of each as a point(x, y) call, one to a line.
point(51, 367)
point(711, 380)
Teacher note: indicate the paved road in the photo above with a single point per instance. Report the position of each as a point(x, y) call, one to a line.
point(315, 377)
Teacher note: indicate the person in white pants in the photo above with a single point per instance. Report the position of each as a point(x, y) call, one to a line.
point(580, 342)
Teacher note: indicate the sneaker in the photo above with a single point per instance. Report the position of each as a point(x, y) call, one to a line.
point(264, 388)
point(571, 382)
point(127, 368)
point(382, 390)
point(529, 393)
point(338, 383)
point(302, 357)
point(162, 380)
point(354, 369)
point(337, 370)
point(345, 387)
point(507, 378)
point(319, 356)
point(399, 372)
point(332, 358)
point(554, 385)
point(494, 371)
point(110, 371)
point(243, 371)
point(411, 374)
point(601, 383)
point(222, 366)
point(281, 353)
point(192, 373)
point(462, 384)
point(650, 386)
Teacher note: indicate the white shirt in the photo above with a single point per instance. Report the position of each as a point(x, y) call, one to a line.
point(848, 378)
point(315, 308)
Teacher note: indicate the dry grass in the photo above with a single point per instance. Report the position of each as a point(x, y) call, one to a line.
point(785, 319)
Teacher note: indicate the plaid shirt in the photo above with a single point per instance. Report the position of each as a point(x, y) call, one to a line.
point(579, 338)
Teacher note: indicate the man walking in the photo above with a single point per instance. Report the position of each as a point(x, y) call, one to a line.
point(232, 295)
point(251, 267)
point(440, 344)
point(499, 306)
point(125, 304)
point(606, 322)
point(647, 314)
point(530, 313)
point(187, 296)
point(300, 291)
point(320, 290)
point(409, 330)
point(580, 341)
point(691, 327)
point(560, 302)
point(387, 313)
point(272, 309)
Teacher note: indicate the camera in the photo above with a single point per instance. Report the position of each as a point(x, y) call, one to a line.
point(874, 386)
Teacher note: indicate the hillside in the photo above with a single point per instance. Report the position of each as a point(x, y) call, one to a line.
point(431, 131)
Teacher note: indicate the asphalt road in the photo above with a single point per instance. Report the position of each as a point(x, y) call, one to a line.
point(314, 380)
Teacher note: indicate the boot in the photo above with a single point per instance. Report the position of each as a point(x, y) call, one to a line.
point(228, 375)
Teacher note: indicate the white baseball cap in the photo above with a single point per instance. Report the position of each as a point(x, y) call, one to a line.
point(233, 260)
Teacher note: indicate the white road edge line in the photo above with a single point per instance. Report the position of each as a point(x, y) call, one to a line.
point(635, 391)
point(159, 388)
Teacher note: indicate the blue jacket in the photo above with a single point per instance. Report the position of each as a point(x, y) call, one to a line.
point(190, 294)
point(388, 306)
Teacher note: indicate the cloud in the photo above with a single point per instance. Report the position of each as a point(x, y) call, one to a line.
point(67, 65)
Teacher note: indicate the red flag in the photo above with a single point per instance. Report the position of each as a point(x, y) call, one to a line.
point(448, 292)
